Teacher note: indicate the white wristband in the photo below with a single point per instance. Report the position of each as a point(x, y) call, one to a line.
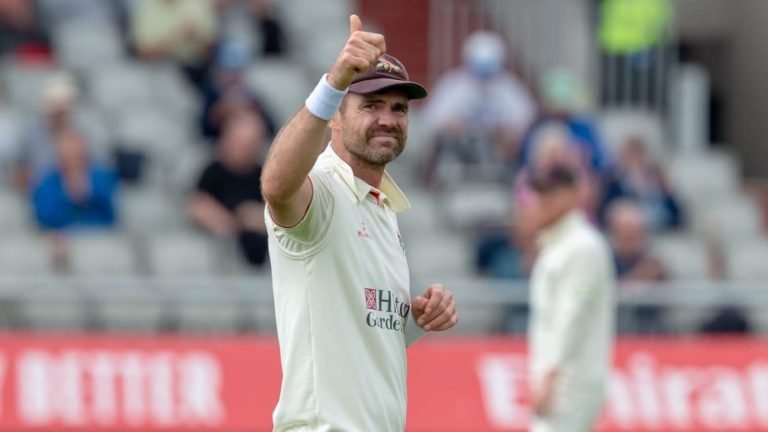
point(324, 99)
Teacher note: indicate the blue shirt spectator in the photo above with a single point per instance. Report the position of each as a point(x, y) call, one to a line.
point(628, 235)
point(75, 193)
point(638, 179)
point(497, 258)
point(508, 254)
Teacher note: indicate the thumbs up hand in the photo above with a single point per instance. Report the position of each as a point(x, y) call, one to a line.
point(359, 53)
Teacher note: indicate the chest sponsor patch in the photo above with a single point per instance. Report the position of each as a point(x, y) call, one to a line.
point(385, 310)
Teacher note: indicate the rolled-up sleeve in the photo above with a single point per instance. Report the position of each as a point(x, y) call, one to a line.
point(308, 235)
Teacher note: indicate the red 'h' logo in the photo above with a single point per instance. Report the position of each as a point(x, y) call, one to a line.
point(370, 298)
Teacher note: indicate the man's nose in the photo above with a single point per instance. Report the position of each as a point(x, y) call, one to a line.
point(387, 118)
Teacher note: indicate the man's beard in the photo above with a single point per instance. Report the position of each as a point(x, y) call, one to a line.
point(378, 155)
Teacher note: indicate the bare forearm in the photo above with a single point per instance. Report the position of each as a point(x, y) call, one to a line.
point(211, 216)
point(292, 156)
point(284, 182)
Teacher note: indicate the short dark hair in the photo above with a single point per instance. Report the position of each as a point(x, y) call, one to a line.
point(553, 178)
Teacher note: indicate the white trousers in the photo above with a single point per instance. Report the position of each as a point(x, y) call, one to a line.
point(571, 411)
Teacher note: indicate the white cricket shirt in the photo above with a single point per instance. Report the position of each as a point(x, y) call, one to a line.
point(341, 288)
point(572, 301)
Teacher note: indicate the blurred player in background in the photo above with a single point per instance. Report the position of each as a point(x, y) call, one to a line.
point(572, 301)
point(340, 274)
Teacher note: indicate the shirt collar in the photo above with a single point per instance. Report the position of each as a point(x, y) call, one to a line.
point(557, 230)
point(390, 193)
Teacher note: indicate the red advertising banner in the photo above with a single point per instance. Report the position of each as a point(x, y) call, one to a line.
point(120, 383)
point(656, 385)
point(78, 383)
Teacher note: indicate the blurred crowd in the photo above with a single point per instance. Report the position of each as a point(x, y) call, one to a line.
point(51, 151)
point(490, 123)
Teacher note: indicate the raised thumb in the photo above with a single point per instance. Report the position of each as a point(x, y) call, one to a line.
point(355, 24)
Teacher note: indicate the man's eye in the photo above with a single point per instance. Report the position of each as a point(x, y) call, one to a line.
point(369, 106)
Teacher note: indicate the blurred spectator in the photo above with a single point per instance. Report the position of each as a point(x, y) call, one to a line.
point(551, 145)
point(227, 202)
point(38, 148)
point(628, 235)
point(272, 34)
point(21, 32)
point(638, 178)
point(227, 92)
point(727, 320)
point(631, 34)
point(564, 100)
point(181, 31)
point(508, 255)
point(258, 14)
point(479, 111)
point(75, 193)
point(37, 153)
point(634, 261)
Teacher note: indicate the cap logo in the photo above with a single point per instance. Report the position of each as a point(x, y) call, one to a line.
point(386, 66)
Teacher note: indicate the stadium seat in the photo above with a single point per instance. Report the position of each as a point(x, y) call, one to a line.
point(102, 254)
point(119, 87)
point(748, 260)
point(146, 210)
point(125, 305)
point(281, 84)
point(23, 86)
point(438, 254)
point(11, 127)
point(23, 255)
point(758, 318)
point(700, 177)
point(687, 318)
point(154, 130)
point(684, 256)
point(418, 149)
point(476, 204)
point(202, 306)
point(9, 309)
point(159, 135)
point(326, 47)
point(175, 92)
point(423, 214)
point(264, 315)
point(49, 305)
point(316, 18)
point(82, 45)
point(185, 169)
point(180, 255)
point(15, 215)
point(56, 13)
point(734, 217)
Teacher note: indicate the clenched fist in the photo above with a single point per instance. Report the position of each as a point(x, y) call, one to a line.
point(359, 53)
point(435, 310)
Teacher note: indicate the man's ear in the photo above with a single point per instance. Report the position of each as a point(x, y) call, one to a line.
point(333, 123)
